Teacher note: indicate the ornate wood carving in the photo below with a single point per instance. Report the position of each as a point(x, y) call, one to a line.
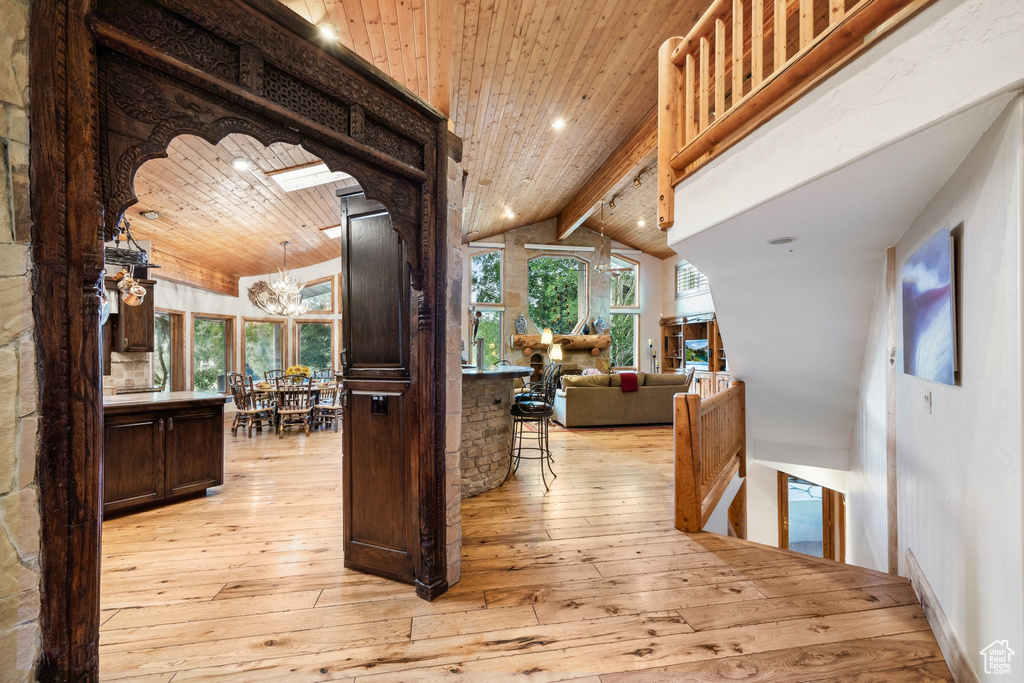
point(109, 90)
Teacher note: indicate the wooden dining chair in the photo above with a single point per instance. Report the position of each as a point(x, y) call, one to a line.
point(271, 375)
point(327, 411)
point(296, 379)
point(251, 409)
point(293, 406)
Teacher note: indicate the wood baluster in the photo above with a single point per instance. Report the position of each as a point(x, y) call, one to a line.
point(705, 85)
point(780, 34)
point(737, 51)
point(690, 91)
point(836, 11)
point(719, 69)
point(671, 128)
point(806, 23)
point(757, 43)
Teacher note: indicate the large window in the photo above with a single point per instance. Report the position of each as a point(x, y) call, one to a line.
point(490, 332)
point(623, 351)
point(211, 351)
point(315, 341)
point(486, 277)
point(689, 280)
point(557, 292)
point(264, 347)
point(162, 361)
point(320, 295)
point(625, 276)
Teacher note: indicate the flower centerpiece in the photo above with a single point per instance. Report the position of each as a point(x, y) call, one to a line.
point(298, 370)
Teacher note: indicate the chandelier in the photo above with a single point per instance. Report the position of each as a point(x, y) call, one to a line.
point(281, 294)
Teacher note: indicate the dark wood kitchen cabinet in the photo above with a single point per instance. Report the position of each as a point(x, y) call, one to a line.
point(134, 328)
point(160, 447)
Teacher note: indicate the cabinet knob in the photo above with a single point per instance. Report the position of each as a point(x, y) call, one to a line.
point(170, 423)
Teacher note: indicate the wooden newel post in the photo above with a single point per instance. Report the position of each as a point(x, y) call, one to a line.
point(741, 418)
point(670, 139)
point(688, 468)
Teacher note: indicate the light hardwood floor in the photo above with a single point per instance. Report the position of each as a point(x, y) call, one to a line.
point(588, 582)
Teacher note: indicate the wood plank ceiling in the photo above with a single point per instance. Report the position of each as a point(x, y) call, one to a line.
point(516, 67)
point(229, 221)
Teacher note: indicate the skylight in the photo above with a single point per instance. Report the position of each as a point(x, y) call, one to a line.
point(307, 175)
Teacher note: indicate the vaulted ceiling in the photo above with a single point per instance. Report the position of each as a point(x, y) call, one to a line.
point(516, 66)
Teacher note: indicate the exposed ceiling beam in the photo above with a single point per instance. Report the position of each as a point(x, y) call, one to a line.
point(632, 156)
point(174, 269)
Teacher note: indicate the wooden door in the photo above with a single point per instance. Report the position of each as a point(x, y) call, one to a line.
point(133, 461)
point(379, 416)
point(194, 446)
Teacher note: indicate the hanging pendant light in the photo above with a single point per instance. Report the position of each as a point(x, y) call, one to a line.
point(281, 294)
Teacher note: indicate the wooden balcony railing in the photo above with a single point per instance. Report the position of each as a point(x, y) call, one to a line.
point(743, 62)
point(711, 447)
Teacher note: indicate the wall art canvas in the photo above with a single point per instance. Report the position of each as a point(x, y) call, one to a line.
point(929, 330)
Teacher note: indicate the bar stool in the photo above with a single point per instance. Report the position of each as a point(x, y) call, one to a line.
point(535, 404)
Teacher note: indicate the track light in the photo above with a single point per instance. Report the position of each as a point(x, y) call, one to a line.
point(611, 203)
point(636, 182)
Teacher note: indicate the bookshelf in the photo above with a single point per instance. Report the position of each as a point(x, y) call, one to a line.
point(686, 341)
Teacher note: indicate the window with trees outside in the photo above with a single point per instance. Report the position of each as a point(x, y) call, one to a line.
point(162, 351)
point(485, 273)
point(211, 352)
point(557, 292)
point(316, 345)
point(264, 348)
point(319, 294)
point(486, 298)
point(625, 305)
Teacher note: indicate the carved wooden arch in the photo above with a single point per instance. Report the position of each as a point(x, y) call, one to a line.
point(112, 82)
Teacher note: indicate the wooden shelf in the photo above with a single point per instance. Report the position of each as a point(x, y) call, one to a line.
point(572, 342)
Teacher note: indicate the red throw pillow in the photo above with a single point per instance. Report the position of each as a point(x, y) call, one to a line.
point(629, 382)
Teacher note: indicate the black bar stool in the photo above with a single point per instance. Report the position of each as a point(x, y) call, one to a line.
point(534, 404)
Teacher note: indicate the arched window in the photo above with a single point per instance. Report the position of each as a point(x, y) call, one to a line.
point(558, 293)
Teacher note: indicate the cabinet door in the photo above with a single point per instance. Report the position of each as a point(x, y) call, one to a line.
point(133, 460)
point(136, 328)
point(194, 447)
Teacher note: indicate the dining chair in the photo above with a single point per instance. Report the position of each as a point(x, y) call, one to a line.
point(294, 407)
point(271, 375)
point(251, 409)
point(296, 379)
point(327, 411)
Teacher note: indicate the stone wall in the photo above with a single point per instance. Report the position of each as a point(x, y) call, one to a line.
point(19, 507)
point(453, 389)
point(128, 370)
point(486, 433)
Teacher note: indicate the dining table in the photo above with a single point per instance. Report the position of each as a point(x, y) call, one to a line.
point(271, 389)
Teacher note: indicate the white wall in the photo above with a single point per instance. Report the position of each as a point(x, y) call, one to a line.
point(959, 465)
point(192, 300)
point(866, 511)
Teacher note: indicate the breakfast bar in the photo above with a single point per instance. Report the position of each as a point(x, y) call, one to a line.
point(486, 425)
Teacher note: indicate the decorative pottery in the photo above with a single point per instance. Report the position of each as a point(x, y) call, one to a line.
point(521, 324)
point(600, 327)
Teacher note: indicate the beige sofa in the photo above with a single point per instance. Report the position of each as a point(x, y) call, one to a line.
point(598, 400)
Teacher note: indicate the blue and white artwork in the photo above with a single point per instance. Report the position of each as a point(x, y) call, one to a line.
point(929, 342)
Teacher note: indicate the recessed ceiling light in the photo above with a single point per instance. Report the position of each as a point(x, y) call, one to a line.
point(328, 30)
point(333, 232)
point(526, 180)
point(641, 222)
point(306, 175)
point(558, 124)
point(508, 213)
point(775, 241)
point(151, 215)
point(241, 164)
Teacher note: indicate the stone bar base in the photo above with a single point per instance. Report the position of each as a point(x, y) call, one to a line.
point(486, 427)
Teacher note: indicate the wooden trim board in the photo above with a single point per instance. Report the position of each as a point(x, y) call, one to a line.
point(952, 650)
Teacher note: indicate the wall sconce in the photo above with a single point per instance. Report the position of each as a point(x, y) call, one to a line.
point(546, 336)
point(555, 352)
